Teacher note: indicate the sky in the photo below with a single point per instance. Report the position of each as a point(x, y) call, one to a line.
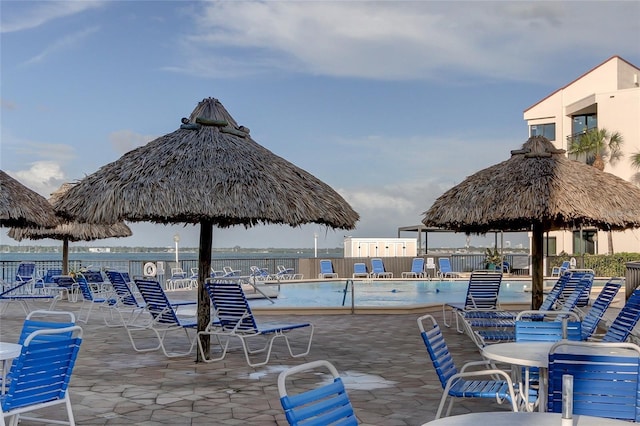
point(390, 103)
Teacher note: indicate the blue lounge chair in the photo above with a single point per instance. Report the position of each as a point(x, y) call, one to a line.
point(417, 269)
point(234, 319)
point(557, 271)
point(23, 293)
point(25, 273)
point(445, 270)
point(326, 269)
point(463, 383)
point(498, 329)
point(482, 295)
point(91, 298)
point(378, 270)
point(606, 379)
point(164, 319)
point(39, 377)
point(625, 321)
point(324, 405)
point(127, 305)
point(594, 314)
point(360, 270)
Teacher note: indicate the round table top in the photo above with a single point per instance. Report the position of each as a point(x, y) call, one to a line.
point(508, 418)
point(9, 350)
point(527, 354)
point(536, 354)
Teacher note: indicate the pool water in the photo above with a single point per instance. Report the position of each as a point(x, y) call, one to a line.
point(384, 293)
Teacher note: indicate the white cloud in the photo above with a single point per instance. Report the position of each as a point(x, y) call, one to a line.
point(43, 177)
point(405, 40)
point(21, 16)
point(62, 44)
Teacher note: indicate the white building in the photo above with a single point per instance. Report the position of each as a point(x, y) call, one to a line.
point(380, 247)
point(608, 96)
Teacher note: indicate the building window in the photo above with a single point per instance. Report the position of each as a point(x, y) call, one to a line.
point(584, 242)
point(582, 123)
point(550, 246)
point(547, 130)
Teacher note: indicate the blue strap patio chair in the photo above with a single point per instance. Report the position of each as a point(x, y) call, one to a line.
point(485, 318)
point(164, 319)
point(583, 277)
point(23, 293)
point(127, 306)
point(91, 298)
point(445, 270)
point(39, 377)
point(417, 269)
point(605, 379)
point(378, 270)
point(234, 319)
point(557, 271)
point(326, 269)
point(26, 272)
point(327, 404)
point(463, 383)
point(499, 327)
point(625, 321)
point(527, 330)
point(592, 318)
point(360, 270)
point(482, 295)
point(46, 320)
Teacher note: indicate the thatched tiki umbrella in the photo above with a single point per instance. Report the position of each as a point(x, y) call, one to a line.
point(20, 206)
point(210, 172)
point(538, 189)
point(70, 231)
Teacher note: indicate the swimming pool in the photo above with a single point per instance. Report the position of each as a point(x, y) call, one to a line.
point(383, 293)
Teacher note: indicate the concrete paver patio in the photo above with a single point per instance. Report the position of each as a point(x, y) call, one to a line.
point(387, 371)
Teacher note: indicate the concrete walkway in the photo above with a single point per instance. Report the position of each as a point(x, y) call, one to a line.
point(388, 374)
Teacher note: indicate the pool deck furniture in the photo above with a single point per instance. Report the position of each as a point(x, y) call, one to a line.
point(164, 319)
point(486, 382)
point(235, 320)
point(499, 418)
point(40, 375)
point(326, 269)
point(328, 403)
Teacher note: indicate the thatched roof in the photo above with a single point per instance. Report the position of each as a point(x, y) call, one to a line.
point(208, 169)
point(537, 184)
point(20, 206)
point(72, 231)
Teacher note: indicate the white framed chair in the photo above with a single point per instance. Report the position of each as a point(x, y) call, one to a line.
point(327, 403)
point(234, 319)
point(487, 382)
point(54, 352)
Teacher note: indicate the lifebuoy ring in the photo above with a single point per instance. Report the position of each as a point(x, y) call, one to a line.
point(149, 269)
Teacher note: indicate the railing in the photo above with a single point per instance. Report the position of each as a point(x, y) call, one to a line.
point(135, 267)
point(631, 278)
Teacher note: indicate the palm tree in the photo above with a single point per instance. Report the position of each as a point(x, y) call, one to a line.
point(596, 147)
point(635, 163)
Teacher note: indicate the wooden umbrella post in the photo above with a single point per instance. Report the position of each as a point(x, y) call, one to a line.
point(204, 266)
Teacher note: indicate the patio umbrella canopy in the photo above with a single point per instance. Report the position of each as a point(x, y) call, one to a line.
point(70, 231)
point(20, 206)
point(210, 172)
point(538, 189)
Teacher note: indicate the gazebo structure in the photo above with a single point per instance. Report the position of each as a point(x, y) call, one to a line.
point(208, 172)
point(537, 189)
